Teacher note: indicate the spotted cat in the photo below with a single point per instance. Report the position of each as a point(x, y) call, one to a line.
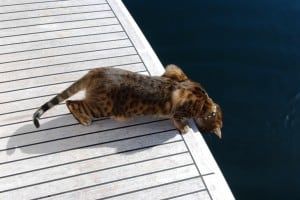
point(121, 94)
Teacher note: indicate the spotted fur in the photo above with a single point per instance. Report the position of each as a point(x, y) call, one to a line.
point(122, 94)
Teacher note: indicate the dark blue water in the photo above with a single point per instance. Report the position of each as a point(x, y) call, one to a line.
point(247, 56)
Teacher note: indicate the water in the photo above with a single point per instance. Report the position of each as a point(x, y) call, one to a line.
point(246, 54)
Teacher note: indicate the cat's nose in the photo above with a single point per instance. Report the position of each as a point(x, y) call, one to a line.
point(218, 132)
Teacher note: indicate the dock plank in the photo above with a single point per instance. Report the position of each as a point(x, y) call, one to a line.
point(55, 12)
point(67, 58)
point(35, 47)
point(59, 34)
point(61, 51)
point(203, 195)
point(47, 5)
point(69, 143)
point(53, 27)
point(21, 138)
point(47, 162)
point(59, 175)
point(130, 185)
point(166, 191)
point(53, 19)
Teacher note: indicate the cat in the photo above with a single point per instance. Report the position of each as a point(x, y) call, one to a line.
point(121, 94)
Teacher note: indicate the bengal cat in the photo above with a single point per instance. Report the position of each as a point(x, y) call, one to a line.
point(121, 94)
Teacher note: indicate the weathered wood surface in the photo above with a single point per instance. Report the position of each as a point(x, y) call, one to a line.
point(44, 47)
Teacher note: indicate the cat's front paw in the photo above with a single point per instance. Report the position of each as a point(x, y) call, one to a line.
point(185, 129)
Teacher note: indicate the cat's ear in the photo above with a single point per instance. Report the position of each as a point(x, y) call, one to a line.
point(218, 132)
point(174, 72)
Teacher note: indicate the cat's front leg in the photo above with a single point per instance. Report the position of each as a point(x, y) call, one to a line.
point(181, 125)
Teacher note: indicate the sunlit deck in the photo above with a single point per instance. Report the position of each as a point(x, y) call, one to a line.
point(44, 47)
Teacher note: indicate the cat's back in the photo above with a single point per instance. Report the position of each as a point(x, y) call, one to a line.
point(115, 77)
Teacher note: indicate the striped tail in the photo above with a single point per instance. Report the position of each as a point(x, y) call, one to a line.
point(70, 91)
point(36, 116)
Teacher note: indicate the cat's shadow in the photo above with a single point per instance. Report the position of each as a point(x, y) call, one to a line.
point(126, 137)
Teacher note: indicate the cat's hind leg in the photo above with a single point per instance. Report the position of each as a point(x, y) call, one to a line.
point(80, 111)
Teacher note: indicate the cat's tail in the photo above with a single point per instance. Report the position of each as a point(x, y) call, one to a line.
point(70, 91)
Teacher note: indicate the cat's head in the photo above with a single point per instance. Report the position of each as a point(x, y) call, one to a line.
point(211, 120)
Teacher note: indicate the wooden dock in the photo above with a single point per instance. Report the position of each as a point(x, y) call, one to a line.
point(45, 45)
